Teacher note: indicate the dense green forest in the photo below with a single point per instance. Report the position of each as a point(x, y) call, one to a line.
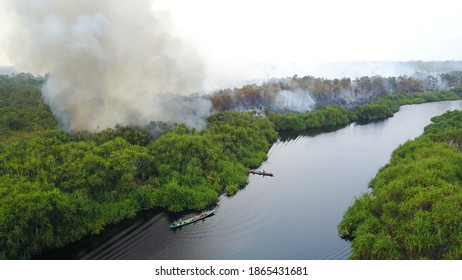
point(56, 187)
point(21, 107)
point(414, 209)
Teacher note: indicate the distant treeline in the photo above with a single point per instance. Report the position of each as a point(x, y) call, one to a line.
point(414, 209)
point(345, 92)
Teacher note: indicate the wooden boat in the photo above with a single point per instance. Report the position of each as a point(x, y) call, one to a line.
point(262, 173)
point(202, 216)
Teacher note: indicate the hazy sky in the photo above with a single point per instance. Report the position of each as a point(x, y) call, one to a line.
point(291, 30)
point(271, 37)
point(281, 37)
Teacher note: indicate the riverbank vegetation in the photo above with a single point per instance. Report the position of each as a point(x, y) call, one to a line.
point(382, 108)
point(387, 106)
point(327, 116)
point(56, 187)
point(414, 209)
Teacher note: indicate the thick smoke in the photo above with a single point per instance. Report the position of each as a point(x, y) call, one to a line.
point(110, 62)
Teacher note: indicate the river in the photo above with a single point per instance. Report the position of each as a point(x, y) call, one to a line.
point(293, 215)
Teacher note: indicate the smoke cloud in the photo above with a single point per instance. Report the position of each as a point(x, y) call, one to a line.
point(110, 62)
point(297, 101)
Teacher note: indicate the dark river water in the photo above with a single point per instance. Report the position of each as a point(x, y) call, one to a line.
point(293, 215)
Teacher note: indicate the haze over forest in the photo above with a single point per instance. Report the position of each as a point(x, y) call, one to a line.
point(131, 63)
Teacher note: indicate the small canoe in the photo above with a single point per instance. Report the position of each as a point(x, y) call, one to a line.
point(262, 173)
point(202, 216)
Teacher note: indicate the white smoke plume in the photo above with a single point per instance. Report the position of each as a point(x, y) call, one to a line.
point(297, 101)
point(110, 62)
